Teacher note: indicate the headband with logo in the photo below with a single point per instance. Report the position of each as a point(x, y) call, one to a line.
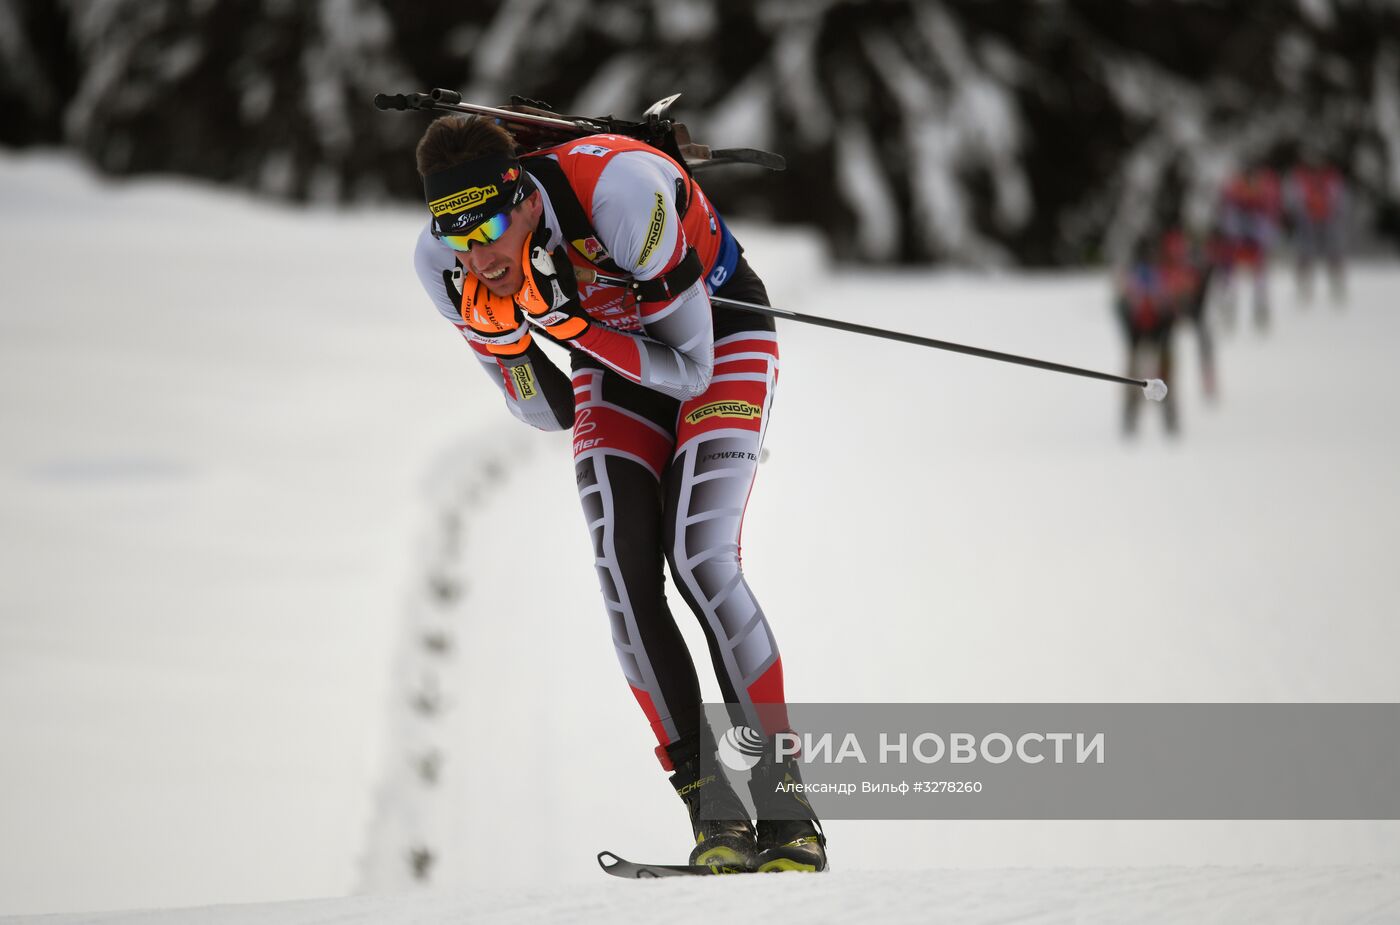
point(465, 195)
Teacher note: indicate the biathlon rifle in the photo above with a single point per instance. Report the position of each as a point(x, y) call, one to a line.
point(535, 125)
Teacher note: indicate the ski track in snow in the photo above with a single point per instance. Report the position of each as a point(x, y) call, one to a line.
point(1024, 552)
point(411, 822)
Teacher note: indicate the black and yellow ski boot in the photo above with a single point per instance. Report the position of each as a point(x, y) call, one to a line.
point(789, 833)
point(724, 836)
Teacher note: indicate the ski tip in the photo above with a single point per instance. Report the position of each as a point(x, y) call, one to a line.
point(617, 866)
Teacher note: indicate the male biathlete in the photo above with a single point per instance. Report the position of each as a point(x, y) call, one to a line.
point(668, 400)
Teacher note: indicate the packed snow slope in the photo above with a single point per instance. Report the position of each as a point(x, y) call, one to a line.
point(216, 419)
point(290, 605)
point(1051, 896)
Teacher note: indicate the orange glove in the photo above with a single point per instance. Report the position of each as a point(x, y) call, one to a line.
point(549, 294)
point(492, 320)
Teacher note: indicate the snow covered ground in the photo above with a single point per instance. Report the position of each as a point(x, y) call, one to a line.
point(215, 429)
point(261, 634)
point(1033, 896)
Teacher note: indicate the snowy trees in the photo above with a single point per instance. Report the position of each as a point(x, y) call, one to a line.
point(1034, 133)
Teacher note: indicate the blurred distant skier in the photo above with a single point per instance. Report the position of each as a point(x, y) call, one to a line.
point(668, 401)
point(1314, 196)
point(1146, 311)
point(1185, 278)
point(1247, 226)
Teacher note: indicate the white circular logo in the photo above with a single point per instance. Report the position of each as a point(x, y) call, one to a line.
point(740, 748)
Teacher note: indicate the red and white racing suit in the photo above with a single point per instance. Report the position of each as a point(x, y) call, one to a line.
point(668, 402)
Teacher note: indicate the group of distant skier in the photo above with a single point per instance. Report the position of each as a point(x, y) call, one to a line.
point(1176, 277)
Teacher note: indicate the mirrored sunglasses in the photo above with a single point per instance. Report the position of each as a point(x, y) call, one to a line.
point(488, 232)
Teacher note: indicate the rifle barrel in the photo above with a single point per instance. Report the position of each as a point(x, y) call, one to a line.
point(451, 100)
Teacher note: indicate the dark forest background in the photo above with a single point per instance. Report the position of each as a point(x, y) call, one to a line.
point(984, 133)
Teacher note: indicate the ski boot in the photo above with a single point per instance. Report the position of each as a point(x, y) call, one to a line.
point(789, 834)
point(724, 836)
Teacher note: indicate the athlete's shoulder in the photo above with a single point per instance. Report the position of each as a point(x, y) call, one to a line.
point(600, 145)
point(589, 157)
point(642, 178)
point(635, 209)
point(630, 193)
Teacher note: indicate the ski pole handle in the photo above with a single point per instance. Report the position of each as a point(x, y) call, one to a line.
point(1153, 389)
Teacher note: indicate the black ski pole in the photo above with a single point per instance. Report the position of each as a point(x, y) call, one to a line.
point(1154, 389)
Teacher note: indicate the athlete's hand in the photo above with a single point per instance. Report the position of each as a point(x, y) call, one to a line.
point(492, 320)
point(549, 295)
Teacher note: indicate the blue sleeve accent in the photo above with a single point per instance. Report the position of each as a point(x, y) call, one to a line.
point(725, 262)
